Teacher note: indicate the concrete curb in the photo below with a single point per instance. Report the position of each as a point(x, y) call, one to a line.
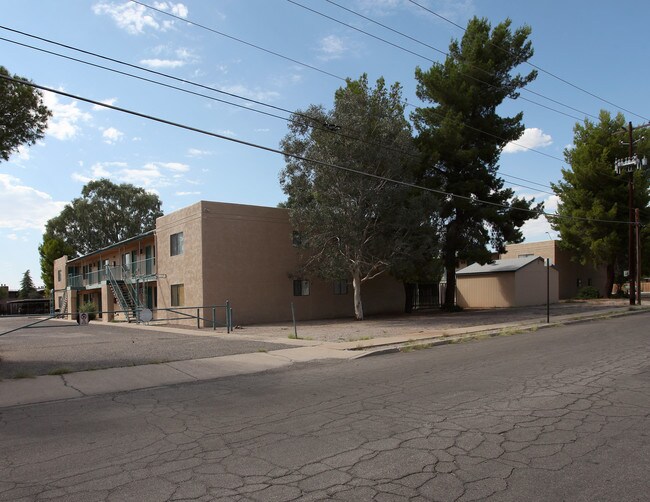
point(50, 388)
point(380, 347)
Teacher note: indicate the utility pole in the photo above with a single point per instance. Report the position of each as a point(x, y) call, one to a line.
point(632, 163)
point(630, 205)
point(637, 226)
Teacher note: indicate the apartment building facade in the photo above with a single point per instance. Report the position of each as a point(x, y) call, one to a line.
point(204, 255)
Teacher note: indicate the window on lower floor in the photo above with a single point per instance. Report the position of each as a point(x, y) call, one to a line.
point(341, 287)
point(300, 287)
point(178, 295)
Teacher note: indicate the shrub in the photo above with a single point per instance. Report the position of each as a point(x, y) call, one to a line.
point(588, 292)
point(89, 308)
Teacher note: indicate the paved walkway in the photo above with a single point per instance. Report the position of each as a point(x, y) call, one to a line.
point(393, 334)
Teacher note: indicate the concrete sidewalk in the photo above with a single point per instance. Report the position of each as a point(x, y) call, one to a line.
point(90, 383)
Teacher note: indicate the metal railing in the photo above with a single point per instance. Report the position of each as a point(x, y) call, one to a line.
point(138, 270)
point(209, 321)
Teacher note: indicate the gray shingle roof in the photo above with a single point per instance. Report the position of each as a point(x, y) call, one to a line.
point(498, 266)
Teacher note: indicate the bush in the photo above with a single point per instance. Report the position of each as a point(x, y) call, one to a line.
point(89, 308)
point(588, 292)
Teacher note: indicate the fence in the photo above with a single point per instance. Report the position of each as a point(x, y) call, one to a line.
point(196, 314)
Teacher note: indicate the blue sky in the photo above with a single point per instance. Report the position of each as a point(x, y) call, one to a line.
point(596, 45)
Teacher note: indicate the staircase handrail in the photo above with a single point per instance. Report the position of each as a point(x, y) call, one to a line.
point(117, 291)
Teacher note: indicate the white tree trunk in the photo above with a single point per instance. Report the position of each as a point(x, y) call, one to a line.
point(356, 284)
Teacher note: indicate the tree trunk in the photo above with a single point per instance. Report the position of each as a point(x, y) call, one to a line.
point(450, 290)
point(356, 284)
point(609, 281)
point(409, 290)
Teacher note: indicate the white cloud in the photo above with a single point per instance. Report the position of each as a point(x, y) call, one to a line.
point(227, 132)
point(12, 237)
point(64, 124)
point(22, 153)
point(177, 9)
point(531, 138)
point(23, 207)
point(149, 176)
point(256, 94)
point(195, 152)
point(162, 63)
point(135, 18)
point(187, 193)
point(538, 229)
point(109, 101)
point(331, 47)
point(176, 58)
point(265, 129)
point(112, 135)
point(173, 166)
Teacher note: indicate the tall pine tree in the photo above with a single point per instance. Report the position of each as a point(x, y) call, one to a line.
point(591, 196)
point(461, 137)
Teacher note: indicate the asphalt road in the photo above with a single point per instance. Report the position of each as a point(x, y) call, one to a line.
point(559, 414)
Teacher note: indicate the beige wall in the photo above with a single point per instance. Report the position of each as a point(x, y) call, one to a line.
point(571, 273)
point(486, 290)
point(244, 254)
point(530, 285)
point(185, 268)
point(526, 286)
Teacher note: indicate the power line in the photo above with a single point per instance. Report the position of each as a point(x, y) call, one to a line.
point(332, 128)
point(295, 156)
point(538, 67)
point(326, 127)
point(198, 25)
point(525, 89)
point(239, 40)
point(388, 42)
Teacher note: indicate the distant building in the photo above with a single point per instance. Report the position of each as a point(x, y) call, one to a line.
point(572, 275)
point(507, 283)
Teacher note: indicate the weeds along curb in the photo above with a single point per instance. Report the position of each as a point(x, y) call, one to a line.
point(412, 346)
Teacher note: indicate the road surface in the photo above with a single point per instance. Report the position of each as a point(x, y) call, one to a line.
point(558, 414)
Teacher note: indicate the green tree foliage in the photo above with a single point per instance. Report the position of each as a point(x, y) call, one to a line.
point(49, 250)
point(590, 191)
point(105, 213)
point(461, 137)
point(354, 227)
point(27, 288)
point(23, 116)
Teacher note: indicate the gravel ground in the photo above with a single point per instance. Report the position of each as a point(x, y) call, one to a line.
point(418, 322)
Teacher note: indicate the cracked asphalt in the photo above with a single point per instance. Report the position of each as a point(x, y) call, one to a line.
point(558, 414)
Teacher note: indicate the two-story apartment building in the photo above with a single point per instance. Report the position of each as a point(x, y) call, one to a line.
point(205, 254)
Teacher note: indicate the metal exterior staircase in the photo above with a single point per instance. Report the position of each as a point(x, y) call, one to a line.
point(125, 294)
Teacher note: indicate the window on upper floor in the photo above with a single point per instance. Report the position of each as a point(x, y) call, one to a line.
point(176, 244)
point(58, 275)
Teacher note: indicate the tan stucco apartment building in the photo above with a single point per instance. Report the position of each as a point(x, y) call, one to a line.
point(572, 275)
point(205, 254)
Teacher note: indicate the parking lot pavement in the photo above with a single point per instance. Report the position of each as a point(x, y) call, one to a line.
point(57, 347)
